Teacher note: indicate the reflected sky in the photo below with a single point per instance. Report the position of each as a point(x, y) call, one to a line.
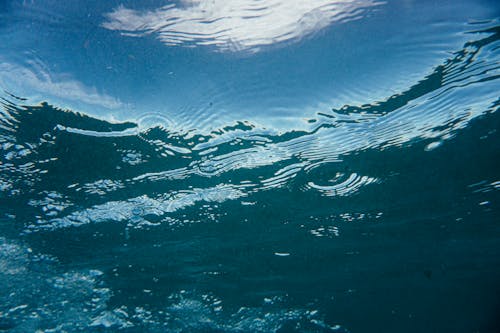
point(205, 64)
point(235, 25)
point(285, 164)
point(35, 77)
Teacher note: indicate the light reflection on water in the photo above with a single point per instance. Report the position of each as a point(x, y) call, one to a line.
point(238, 166)
point(103, 73)
point(235, 25)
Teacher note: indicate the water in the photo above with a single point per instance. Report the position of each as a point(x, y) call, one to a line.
point(249, 166)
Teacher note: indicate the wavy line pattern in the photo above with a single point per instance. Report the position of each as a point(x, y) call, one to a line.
point(235, 25)
point(150, 173)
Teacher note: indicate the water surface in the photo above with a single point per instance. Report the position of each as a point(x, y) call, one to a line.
point(249, 166)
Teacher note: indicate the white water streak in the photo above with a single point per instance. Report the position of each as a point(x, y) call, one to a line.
point(235, 25)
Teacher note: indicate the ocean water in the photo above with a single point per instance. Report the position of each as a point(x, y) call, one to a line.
point(250, 166)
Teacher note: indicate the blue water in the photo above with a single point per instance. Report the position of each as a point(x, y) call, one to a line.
point(249, 166)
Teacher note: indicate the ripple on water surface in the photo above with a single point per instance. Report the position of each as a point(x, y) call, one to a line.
point(243, 178)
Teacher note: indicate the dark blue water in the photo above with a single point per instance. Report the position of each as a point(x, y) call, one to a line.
point(250, 166)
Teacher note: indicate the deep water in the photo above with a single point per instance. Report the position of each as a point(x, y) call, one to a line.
point(228, 201)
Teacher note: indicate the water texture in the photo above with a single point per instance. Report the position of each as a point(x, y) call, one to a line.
point(249, 166)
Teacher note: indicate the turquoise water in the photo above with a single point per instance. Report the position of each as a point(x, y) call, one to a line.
point(249, 166)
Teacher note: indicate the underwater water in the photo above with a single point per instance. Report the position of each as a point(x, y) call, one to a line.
point(250, 166)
